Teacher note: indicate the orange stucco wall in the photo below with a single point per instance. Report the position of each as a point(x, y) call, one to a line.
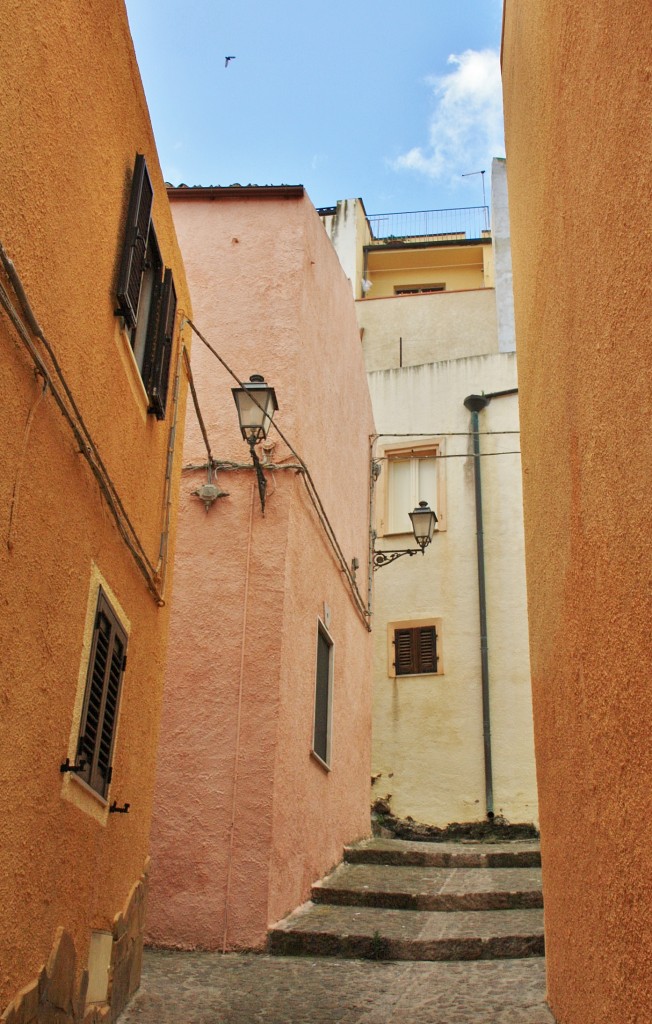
point(245, 817)
point(578, 110)
point(74, 117)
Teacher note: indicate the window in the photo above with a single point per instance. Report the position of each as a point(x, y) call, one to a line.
point(146, 295)
point(106, 667)
point(412, 476)
point(414, 648)
point(418, 289)
point(321, 742)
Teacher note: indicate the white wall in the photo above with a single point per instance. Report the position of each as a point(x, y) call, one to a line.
point(427, 737)
point(502, 257)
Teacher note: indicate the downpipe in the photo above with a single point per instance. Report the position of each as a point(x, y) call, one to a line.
point(475, 404)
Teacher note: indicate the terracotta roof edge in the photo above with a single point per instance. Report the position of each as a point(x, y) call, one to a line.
point(235, 191)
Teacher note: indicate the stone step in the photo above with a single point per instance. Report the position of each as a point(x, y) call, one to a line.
point(430, 889)
point(377, 933)
point(515, 854)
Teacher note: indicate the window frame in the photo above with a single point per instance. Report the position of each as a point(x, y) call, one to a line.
point(414, 624)
point(324, 760)
point(424, 448)
point(146, 294)
point(97, 753)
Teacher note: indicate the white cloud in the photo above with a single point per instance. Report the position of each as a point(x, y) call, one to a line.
point(466, 127)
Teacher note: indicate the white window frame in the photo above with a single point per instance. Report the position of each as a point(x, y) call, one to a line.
point(415, 451)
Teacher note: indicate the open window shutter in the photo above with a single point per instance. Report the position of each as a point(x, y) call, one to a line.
point(99, 719)
point(135, 248)
point(110, 717)
point(91, 719)
point(404, 652)
point(162, 352)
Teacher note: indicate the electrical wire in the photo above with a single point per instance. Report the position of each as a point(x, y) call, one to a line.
point(445, 433)
point(19, 475)
point(80, 431)
point(457, 455)
point(236, 754)
point(195, 401)
point(309, 483)
point(162, 565)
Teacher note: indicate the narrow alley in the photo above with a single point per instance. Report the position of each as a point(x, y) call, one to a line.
point(431, 933)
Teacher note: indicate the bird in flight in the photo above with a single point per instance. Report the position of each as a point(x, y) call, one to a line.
point(226, 61)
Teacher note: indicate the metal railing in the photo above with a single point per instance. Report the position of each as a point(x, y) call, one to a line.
point(464, 223)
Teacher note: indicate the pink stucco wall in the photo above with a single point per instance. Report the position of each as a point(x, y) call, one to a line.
point(245, 817)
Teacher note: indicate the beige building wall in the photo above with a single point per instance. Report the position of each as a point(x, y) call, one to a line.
point(578, 109)
point(427, 729)
point(247, 818)
point(433, 327)
point(425, 353)
point(72, 874)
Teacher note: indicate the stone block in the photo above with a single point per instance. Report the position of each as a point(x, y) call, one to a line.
point(61, 974)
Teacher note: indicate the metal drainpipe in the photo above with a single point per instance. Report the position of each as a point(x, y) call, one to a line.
point(475, 404)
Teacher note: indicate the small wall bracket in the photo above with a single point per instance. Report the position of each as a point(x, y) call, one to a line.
point(114, 809)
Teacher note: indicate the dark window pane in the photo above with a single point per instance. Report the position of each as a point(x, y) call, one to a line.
point(322, 695)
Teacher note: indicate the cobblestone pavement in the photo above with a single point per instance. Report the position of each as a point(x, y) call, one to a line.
point(207, 988)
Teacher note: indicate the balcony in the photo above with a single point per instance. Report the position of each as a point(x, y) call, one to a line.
point(465, 224)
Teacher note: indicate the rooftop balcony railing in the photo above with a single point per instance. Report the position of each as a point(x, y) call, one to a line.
point(465, 223)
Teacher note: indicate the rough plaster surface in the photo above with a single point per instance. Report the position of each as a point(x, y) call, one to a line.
point(438, 326)
point(427, 733)
point(74, 116)
point(246, 818)
point(578, 107)
point(503, 257)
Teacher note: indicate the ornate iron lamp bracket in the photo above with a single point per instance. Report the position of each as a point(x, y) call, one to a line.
point(385, 557)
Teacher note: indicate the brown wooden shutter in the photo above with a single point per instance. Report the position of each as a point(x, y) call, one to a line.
point(427, 649)
point(162, 349)
point(403, 652)
point(100, 712)
point(415, 650)
point(135, 246)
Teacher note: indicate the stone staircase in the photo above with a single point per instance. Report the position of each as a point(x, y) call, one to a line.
point(392, 899)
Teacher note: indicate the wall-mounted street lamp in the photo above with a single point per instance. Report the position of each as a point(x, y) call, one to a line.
point(256, 404)
point(423, 527)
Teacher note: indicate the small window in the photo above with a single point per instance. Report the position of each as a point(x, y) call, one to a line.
point(414, 648)
point(146, 295)
point(106, 667)
point(321, 742)
point(412, 476)
point(418, 289)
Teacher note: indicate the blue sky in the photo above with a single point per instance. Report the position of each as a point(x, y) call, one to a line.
point(388, 101)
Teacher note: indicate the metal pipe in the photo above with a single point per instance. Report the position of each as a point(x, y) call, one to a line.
point(475, 403)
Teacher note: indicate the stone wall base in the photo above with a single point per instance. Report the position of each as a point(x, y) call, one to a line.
point(56, 997)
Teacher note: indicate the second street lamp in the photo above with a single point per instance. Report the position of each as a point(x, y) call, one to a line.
point(423, 526)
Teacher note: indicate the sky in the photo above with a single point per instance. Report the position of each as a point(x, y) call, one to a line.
point(389, 101)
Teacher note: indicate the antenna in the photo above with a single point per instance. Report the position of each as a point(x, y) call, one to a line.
point(470, 174)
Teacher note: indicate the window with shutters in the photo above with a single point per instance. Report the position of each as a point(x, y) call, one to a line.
point(99, 718)
point(321, 741)
point(414, 648)
point(412, 474)
point(147, 299)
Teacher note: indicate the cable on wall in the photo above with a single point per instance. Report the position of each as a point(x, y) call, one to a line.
point(65, 401)
point(311, 488)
